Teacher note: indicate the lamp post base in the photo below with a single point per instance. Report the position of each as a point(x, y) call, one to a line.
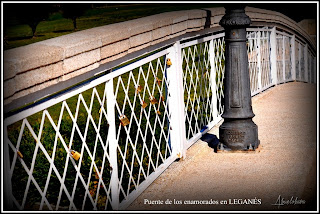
point(239, 134)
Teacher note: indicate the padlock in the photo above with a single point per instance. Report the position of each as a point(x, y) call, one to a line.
point(76, 155)
point(153, 100)
point(139, 88)
point(161, 99)
point(124, 120)
point(20, 154)
point(179, 155)
point(158, 81)
point(169, 63)
point(158, 112)
point(144, 104)
point(100, 110)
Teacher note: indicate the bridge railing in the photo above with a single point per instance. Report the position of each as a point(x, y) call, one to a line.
point(99, 144)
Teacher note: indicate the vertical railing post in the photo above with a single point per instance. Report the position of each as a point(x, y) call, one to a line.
point(299, 68)
point(113, 144)
point(7, 188)
point(259, 60)
point(283, 59)
point(176, 101)
point(306, 63)
point(273, 56)
point(238, 131)
point(310, 68)
point(213, 84)
point(293, 57)
point(314, 70)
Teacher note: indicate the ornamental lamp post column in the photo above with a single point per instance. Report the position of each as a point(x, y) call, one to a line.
point(238, 131)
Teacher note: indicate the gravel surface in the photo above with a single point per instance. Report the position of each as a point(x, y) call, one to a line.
point(284, 166)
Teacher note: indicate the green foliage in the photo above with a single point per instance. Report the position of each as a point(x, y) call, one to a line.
point(55, 16)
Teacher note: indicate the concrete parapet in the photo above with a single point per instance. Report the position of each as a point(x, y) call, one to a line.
point(29, 57)
point(216, 15)
point(310, 26)
point(31, 67)
point(273, 17)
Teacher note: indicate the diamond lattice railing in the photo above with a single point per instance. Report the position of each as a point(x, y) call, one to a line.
point(44, 174)
point(265, 59)
point(280, 54)
point(191, 89)
point(283, 58)
point(195, 67)
point(287, 58)
point(253, 60)
point(297, 59)
point(258, 47)
point(218, 59)
point(300, 62)
point(311, 67)
point(143, 131)
point(198, 84)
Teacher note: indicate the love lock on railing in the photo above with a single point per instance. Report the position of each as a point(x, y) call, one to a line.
point(75, 155)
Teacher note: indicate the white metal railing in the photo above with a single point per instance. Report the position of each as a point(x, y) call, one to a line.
point(203, 73)
point(99, 145)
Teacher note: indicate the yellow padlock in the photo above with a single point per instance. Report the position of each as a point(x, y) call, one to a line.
point(161, 99)
point(169, 63)
point(20, 154)
point(76, 155)
point(153, 100)
point(124, 120)
point(144, 104)
point(139, 89)
point(158, 81)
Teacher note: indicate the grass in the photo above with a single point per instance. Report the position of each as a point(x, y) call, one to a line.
point(18, 35)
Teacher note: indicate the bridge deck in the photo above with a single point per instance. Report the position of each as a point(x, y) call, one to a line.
point(285, 165)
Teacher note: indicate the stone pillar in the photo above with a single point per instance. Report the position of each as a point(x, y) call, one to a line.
point(238, 131)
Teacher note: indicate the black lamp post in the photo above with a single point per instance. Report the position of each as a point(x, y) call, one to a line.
point(238, 131)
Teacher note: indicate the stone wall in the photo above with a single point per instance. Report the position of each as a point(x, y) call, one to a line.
point(37, 66)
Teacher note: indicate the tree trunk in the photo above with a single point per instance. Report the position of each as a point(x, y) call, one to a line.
point(33, 28)
point(74, 20)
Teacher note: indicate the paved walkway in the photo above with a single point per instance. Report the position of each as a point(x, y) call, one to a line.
point(285, 167)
